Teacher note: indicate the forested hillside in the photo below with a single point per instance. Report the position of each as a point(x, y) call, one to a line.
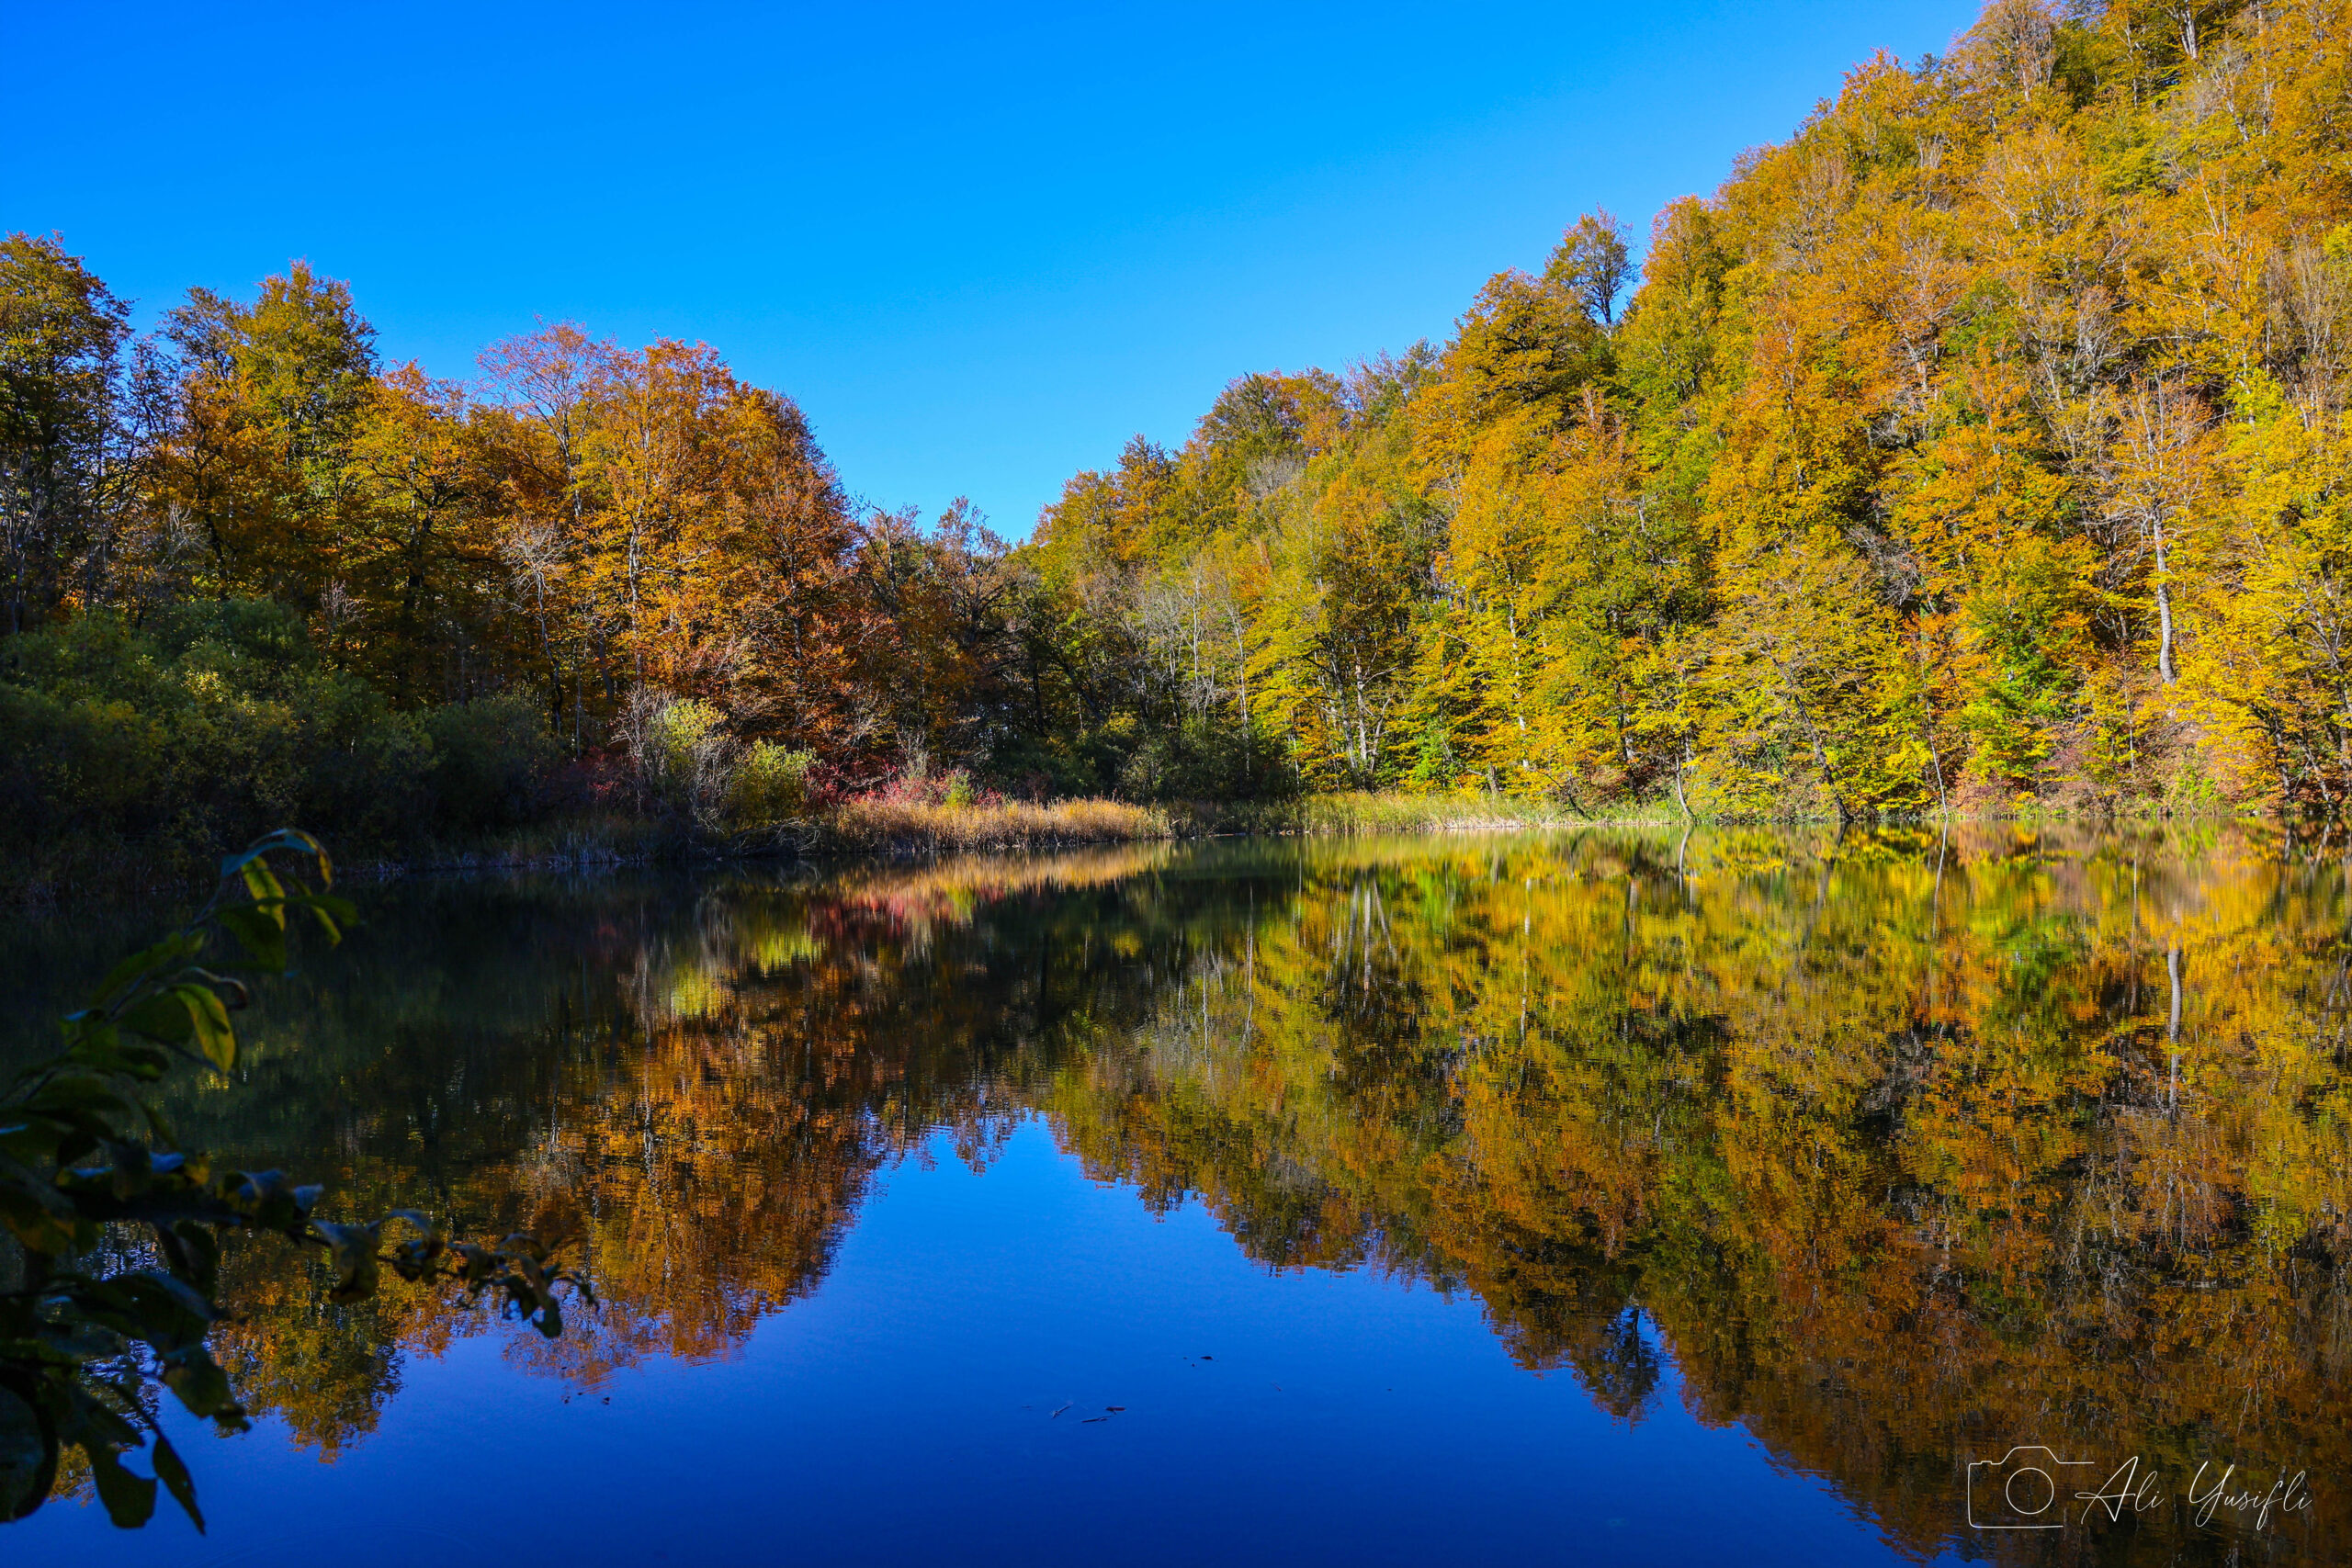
point(1983, 444)
point(1984, 441)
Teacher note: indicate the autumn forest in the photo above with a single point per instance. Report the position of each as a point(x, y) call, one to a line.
point(1981, 448)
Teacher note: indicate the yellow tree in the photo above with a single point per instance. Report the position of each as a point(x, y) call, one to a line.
point(417, 607)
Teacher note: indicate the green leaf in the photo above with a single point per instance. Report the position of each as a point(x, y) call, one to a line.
point(157, 1291)
point(28, 1456)
point(260, 931)
point(130, 1499)
point(163, 1016)
point(479, 1262)
point(30, 1139)
point(79, 1341)
point(199, 1383)
point(210, 1019)
point(132, 1170)
point(264, 1197)
point(162, 956)
point(172, 1474)
point(149, 1306)
point(99, 1045)
point(334, 914)
point(263, 883)
point(414, 1259)
point(178, 1013)
point(44, 1221)
point(284, 839)
point(354, 1252)
point(194, 1253)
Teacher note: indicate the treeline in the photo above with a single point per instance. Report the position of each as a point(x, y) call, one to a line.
point(1981, 444)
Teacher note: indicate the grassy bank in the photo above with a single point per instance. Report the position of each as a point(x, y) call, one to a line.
point(884, 826)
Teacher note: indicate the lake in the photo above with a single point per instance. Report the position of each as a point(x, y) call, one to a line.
point(1605, 1198)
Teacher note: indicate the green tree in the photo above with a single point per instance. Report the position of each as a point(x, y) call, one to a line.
point(62, 444)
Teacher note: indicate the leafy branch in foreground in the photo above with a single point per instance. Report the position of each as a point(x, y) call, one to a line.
point(82, 1150)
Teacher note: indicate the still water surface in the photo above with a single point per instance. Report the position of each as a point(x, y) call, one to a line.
point(1595, 1199)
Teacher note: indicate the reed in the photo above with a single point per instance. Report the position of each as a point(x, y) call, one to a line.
point(929, 828)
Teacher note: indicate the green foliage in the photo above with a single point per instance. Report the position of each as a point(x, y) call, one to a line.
point(685, 759)
point(488, 759)
point(220, 718)
point(771, 785)
point(86, 1156)
point(1203, 759)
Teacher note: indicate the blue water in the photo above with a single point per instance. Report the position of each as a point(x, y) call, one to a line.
point(946, 1397)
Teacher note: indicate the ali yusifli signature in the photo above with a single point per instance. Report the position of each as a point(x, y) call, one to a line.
point(2031, 1488)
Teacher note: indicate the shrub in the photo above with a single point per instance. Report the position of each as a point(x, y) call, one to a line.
point(196, 734)
point(771, 785)
point(1204, 760)
point(489, 759)
point(684, 759)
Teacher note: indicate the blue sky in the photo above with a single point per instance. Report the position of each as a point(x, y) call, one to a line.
point(981, 245)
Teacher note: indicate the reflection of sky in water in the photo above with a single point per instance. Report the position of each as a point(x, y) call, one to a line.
point(904, 1413)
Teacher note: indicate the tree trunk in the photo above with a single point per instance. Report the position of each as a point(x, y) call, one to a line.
point(2164, 611)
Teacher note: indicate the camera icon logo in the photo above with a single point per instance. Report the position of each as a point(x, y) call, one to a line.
point(2021, 1490)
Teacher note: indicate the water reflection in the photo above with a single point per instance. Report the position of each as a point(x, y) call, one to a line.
point(1904, 1150)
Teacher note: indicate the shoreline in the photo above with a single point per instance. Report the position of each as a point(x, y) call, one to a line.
point(892, 834)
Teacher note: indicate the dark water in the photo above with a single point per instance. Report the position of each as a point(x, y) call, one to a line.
point(1581, 1199)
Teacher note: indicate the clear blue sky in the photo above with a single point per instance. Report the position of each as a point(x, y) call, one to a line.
point(981, 245)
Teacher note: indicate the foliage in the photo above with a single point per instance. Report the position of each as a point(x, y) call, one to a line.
point(216, 718)
point(684, 762)
point(1980, 445)
point(771, 784)
point(210, 724)
point(88, 1161)
point(490, 757)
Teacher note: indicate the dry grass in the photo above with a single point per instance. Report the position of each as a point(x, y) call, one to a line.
point(900, 827)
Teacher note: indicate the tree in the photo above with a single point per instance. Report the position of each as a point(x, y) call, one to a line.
point(61, 334)
point(1592, 262)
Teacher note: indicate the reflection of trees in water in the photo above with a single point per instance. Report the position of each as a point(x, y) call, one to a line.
point(697, 1088)
point(1909, 1156)
point(1902, 1151)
